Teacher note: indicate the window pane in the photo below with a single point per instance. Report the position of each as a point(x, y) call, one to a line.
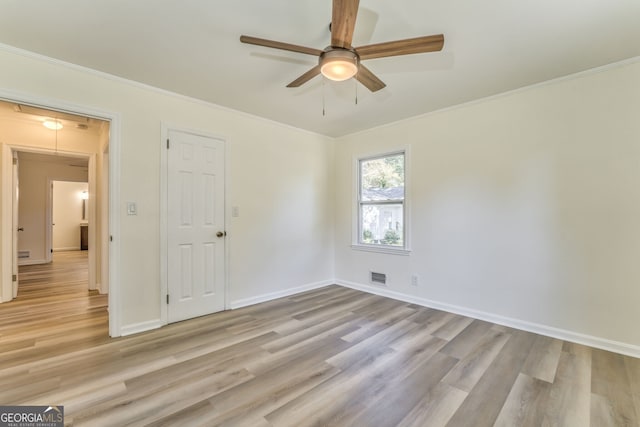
point(382, 224)
point(382, 179)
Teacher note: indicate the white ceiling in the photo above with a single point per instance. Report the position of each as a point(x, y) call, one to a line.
point(192, 48)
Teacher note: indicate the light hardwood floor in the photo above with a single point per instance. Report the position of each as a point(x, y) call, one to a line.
point(332, 356)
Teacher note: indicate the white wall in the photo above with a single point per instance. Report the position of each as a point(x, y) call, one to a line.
point(67, 214)
point(34, 177)
point(279, 177)
point(524, 206)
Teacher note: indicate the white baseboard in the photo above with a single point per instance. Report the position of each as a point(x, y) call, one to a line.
point(280, 294)
point(562, 334)
point(32, 261)
point(140, 327)
point(71, 248)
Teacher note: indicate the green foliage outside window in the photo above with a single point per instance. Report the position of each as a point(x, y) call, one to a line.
point(391, 237)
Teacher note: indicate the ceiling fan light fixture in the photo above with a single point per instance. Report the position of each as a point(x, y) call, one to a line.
point(339, 64)
point(52, 124)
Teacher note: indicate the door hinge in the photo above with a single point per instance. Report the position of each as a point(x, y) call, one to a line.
point(167, 143)
point(51, 250)
point(15, 161)
point(167, 298)
point(111, 238)
point(15, 278)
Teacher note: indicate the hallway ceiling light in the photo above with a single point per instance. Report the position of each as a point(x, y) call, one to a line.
point(52, 124)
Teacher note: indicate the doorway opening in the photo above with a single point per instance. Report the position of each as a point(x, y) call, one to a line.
point(60, 246)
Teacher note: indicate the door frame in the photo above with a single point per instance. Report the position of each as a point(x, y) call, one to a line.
point(15, 215)
point(91, 219)
point(115, 314)
point(164, 206)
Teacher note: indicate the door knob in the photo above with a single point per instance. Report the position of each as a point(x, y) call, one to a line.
point(221, 233)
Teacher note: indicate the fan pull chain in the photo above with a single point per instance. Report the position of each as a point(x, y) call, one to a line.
point(355, 80)
point(323, 101)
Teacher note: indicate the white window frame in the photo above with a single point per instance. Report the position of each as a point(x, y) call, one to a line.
point(356, 221)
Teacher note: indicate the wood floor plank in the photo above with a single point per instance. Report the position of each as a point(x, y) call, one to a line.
point(633, 371)
point(463, 343)
point(318, 403)
point(611, 390)
point(389, 407)
point(470, 369)
point(526, 403)
point(435, 408)
point(330, 356)
point(266, 393)
point(542, 362)
point(486, 398)
point(453, 327)
point(570, 394)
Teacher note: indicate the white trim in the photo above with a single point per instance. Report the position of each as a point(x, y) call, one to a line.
point(165, 128)
point(382, 249)
point(137, 328)
point(164, 235)
point(537, 328)
point(92, 221)
point(33, 261)
point(103, 285)
point(114, 183)
point(115, 309)
point(279, 294)
point(71, 248)
point(6, 288)
point(405, 250)
point(227, 226)
point(48, 222)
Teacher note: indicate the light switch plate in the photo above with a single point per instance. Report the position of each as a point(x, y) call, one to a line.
point(132, 209)
point(235, 211)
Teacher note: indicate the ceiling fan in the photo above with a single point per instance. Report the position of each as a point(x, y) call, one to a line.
point(341, 61)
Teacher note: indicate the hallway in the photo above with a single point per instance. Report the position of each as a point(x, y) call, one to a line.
point(54, 312)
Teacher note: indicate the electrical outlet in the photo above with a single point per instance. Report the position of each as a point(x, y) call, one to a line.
point(414, 280)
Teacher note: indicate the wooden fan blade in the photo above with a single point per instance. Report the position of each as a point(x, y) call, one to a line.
point(305, 77)
point(280, 45)
point(368, 79)
point(343, 22)
point(402, 47)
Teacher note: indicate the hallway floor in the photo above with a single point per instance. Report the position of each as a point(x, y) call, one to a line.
point(54, 311)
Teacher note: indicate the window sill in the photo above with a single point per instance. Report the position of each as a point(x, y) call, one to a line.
point(382, 250)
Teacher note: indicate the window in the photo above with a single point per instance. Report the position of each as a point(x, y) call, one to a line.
point(381, 203)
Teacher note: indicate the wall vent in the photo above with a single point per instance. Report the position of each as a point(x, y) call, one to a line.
point(379, 278)
point(24, 254)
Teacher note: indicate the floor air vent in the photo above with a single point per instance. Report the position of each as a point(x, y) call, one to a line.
point(24, 254)
point(379, 278)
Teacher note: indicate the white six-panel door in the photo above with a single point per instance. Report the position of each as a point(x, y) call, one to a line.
point(195, 221)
